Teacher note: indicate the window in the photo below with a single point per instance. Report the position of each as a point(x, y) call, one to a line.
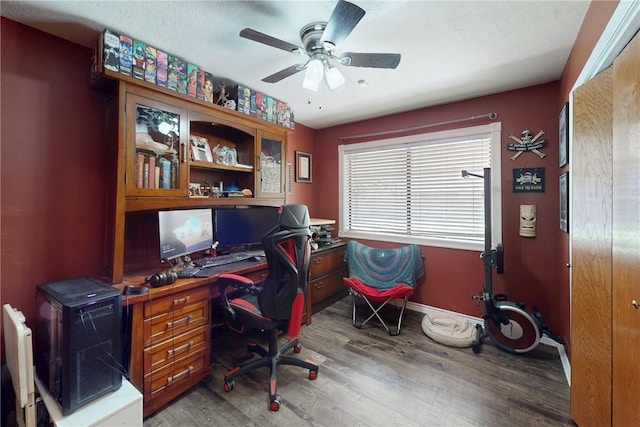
point(411, 190)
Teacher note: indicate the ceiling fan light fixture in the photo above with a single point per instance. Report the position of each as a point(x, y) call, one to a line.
point(314, 74)
point(334, 78)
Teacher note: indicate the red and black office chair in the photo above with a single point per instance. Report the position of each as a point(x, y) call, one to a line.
point(277, 303)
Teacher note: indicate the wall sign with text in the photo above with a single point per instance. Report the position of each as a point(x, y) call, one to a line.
point(528, 180)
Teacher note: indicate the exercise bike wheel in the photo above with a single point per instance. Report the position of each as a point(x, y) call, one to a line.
point(520, 335)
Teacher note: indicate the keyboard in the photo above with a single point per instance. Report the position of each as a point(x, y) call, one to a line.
point(222, 260)
point(187, 272)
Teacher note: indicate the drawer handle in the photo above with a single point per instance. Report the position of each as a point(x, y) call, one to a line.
point(178, 322)
point(180, 375)
point(185, 347)
point(181, 300)
point(318, 285)
point(317, 260)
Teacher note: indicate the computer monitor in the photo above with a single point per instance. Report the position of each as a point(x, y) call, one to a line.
point(183, 232)
point(243, 227)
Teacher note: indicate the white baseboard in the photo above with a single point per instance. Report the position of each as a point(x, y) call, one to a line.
point(421, 308)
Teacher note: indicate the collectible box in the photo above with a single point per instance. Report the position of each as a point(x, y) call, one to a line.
point(244, 100)
point(192, 80)
point(281, 107)
point(207, 90)
point(150, 57)
point(200, 84)
point(111, 51)
point(139, 49)
point(126, 58)
point(182, 76)
point(271, 110)
point(161, 68)
point(173, 62)
point(290, 122)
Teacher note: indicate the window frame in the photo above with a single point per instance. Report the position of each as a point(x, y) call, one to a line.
point(492, 131)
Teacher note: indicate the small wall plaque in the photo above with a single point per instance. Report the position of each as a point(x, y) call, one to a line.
point(528, 180)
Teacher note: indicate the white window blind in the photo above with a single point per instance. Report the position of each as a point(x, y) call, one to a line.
point(411, 189)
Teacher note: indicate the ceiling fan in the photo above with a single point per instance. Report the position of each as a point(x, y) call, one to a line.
point(320, 40)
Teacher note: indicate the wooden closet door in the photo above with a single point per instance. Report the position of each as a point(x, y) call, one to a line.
point(626, 236)
point(591, 235)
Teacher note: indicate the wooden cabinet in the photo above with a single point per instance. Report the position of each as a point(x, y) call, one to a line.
point(155, 153)
point(326, 272)
point(152, 163)
point(270, 162)
point(176, 345)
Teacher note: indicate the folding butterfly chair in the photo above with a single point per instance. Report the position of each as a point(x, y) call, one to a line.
point(379, 276)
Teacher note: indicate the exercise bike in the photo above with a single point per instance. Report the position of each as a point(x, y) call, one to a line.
point(509, 325)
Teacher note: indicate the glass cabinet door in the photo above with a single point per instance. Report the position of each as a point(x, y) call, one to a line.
point(271, 162)
point(156, 136)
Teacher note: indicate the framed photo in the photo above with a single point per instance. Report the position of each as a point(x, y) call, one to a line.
point(564, 202)
point(563, 136)
point(303, 167)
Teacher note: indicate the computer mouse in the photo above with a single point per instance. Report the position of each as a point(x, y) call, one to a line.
point(255, 259)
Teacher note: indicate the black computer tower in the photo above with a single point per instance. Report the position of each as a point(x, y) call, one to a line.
point(78, 345)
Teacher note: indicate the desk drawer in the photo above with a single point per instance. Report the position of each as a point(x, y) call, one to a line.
point(179, 347)
point(164, 383)
point(325, 262)
point(158, 327)
point(176, 301)
point(327, 286)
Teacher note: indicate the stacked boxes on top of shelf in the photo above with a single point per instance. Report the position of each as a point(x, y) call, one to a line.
point(122, 54)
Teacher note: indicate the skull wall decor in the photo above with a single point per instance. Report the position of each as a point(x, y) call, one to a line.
point(528, 220)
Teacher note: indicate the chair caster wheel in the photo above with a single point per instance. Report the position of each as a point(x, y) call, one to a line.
point(228, 386)
point(313, 375)
point(275, 403)
point(297, 348)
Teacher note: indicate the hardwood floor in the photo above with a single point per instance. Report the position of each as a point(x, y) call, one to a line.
point(368, 378)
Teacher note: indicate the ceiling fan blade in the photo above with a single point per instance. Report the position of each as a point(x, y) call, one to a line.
point(343, 20)
point(371, 60)
point(283, 74)
point(259, 37)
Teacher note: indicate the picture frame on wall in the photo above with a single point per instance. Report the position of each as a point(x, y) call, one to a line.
point(563, 136)
point(303, 167)
point(564, 202)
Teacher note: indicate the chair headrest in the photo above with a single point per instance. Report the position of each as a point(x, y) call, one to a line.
point(294, 216)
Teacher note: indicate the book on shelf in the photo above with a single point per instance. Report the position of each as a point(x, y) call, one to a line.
point(165, 173)
point(145, 177)
point(152, 172)
point(140, 170)
point(157, 177)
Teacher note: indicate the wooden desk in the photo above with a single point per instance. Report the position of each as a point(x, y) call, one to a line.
point(170, 327)
point(170, 333)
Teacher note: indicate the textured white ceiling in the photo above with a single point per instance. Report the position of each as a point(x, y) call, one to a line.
point(451, 50)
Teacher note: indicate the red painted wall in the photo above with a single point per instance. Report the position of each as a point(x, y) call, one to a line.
point(453, 276)
point(52, 165)
point(302, 139)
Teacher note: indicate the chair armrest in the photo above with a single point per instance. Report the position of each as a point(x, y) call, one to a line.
point(227, 279)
